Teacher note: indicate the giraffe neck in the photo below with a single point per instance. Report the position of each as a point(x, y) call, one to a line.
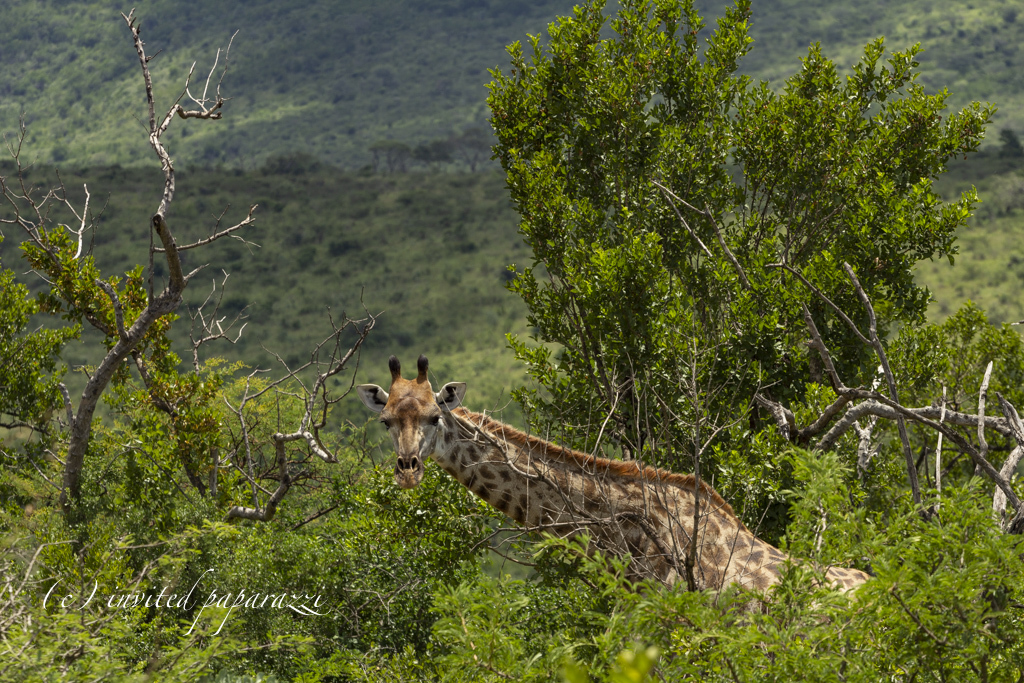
point(625, 508)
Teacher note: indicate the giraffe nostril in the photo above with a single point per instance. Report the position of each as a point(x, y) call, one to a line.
point(415, 464)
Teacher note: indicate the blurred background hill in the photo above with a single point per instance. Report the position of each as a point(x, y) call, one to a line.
point(333, 78)
point(361, 130)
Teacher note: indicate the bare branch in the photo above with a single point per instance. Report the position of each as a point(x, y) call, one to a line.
point(938, 444)
point(248, 220)
point(714, 224)
point(876, 343)
point(783, 416)
point(214, 328)
point(821, 295)
point(69, 409)
point(960, 442)
point(118, 310)
point(284, 483)
point(668, 196)
point(1012, 460)
point(826, 357)
point(865, 452)
point(982, 396)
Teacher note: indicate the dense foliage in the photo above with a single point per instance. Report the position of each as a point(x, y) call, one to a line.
point(657, 189)
point(685, 219)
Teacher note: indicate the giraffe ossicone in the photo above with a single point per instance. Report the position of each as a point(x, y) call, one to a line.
point(625, 507)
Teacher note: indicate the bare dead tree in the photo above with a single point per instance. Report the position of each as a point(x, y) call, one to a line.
point(58, 258)
point(327, 360)
point(860, 402)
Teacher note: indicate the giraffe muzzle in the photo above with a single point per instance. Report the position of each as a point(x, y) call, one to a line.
point(409, 471)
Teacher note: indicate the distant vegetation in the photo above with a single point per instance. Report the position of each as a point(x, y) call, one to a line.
point(334, 79)
point(990, 267)
point(429, 251)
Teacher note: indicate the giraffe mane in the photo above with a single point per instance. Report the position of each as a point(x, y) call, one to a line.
point(618, 468)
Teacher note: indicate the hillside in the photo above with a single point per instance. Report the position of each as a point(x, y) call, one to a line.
point(332, 80)
point(428, 249)
point(427, 253)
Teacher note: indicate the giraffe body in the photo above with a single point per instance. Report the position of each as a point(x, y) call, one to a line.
point(625, 508)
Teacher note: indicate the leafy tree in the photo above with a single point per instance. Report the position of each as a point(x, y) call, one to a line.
point(28, 360)
point(433, 152)
point(683, 217)
point(392, 154)
point(1010, 146)
point(472, 146)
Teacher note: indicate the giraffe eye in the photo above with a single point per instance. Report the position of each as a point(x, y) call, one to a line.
point(386, 423)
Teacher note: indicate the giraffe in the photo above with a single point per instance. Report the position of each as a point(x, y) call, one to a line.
point(625, 507)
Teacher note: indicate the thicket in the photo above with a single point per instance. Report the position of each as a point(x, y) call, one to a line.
point(688, 229)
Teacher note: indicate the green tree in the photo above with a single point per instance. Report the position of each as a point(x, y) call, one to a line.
point(392, 154)
point(682, 218)
point(28, 360)
point(1010, 147)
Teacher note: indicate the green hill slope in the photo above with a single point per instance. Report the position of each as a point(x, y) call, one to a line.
point(314, 76)
point(428, 253)
point(428, 249)
point(333, 78)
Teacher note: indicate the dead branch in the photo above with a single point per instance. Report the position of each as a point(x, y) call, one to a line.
point(1010, 465)
point(876, 343)
point(669, 195)
point(316, 400)
point(783, 416)
point(213, 329)
point(938, 444)
point(159, 305)
point(982, 396)
point(865, 452)
point(248, 220)
point(819, 344)
point(269, 509)
point(961, 443)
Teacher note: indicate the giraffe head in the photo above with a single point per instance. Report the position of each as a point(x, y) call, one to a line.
point(414, 416)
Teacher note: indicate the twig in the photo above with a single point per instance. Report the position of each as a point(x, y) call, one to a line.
point(938, 445)
point(714, 224)
point(876, 343)
point(982, 396)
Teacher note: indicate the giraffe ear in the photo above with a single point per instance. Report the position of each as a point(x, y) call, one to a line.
point(451, 395)
point(372, 396)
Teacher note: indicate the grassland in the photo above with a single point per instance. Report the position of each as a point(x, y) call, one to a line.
point(990, 267)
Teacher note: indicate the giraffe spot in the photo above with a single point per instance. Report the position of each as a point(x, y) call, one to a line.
point(488, 473)
point(520, 514)
point(481, 491)
point(504, 502)
point(506, 476)
point(757, 557)
point(471, 481)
